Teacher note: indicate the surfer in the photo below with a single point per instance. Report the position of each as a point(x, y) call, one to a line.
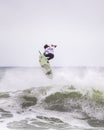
point(49, 51)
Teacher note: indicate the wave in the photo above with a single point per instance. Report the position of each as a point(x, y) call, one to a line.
point(78, 92)
point(89, 104)
point(12, 79)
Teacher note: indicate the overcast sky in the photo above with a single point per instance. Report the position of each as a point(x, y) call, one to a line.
point(76, 26)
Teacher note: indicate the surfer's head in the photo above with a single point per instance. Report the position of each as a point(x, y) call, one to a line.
point(45, 46)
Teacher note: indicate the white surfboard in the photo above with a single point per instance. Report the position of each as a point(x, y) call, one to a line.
point(45, 65)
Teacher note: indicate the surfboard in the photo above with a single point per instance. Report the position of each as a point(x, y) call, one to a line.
point(45, 65)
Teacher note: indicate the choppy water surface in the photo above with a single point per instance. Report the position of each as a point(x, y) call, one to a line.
point(72, 100)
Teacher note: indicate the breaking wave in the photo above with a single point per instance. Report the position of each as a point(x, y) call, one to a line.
point(73, 96)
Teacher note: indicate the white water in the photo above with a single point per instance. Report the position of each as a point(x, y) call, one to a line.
point(15, 80)
point(22, 78)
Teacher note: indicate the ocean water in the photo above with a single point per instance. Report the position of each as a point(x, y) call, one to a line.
point(72, 100)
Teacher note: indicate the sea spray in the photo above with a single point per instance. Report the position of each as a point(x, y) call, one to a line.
point(73, 99)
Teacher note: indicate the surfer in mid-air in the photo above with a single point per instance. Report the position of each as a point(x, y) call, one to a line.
point(49, 51)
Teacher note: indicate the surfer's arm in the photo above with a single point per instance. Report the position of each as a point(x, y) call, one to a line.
point(54, 46)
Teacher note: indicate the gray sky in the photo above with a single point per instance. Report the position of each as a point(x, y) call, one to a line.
point(76, 26)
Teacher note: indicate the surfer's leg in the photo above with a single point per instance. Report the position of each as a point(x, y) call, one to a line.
point(46, 55)
point(51, 56)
